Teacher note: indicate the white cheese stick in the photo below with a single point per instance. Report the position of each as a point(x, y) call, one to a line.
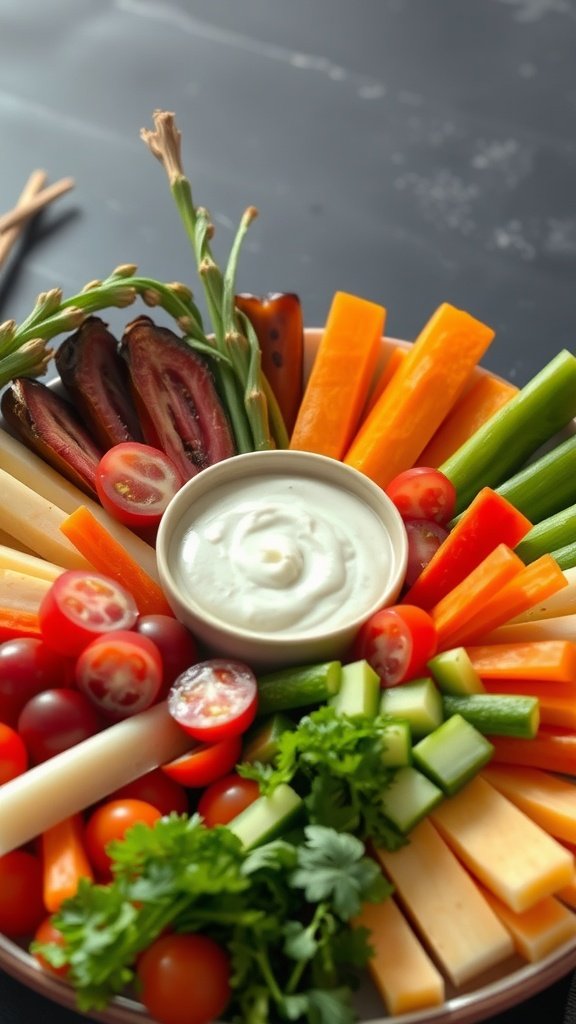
point(31, 470)
point(20, 591)
point(35, 522)
point(86, 773)
point(21, 561)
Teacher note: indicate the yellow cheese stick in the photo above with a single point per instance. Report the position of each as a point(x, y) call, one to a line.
point(35, 522)
point(568, 892)
point(503, 848)
point(538, 931)
point(31, 470)
point(20, 591)
point(459, 928)
point(400, 968)
point(32, 565)
point(548, 799)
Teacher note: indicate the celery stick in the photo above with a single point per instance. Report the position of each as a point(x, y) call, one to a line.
point(547, 485)
point(566, 556)
point(551, 534)
point(505, 442)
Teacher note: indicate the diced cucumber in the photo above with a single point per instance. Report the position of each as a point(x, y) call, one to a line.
point(418, 702)
point(409, 798)
point(452, 754)
point(359, 692)
point(497, 714)
point(298, 687)
point(397, 742)
point(268, 817)
point(261, 743)
point(453, 672)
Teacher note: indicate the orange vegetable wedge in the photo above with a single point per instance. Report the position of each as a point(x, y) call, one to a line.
point(395, 360)
point(553, 749)
point(107, 555)
point(336, 390)
point(536, 932)
point(479, 402)
point(420, 394)
point(64, 861)
point(549, 800)
point(15, 622)
point(488, 521)
point(469, 597)
point(543, 659)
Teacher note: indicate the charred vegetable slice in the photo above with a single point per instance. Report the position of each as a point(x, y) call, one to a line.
point(176, 399)
point(96, 378)
point(50, 426)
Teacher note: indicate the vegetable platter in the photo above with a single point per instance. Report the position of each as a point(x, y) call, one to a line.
point(403, 814)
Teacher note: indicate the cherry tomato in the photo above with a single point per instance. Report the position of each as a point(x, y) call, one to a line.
point(158, 789)
point(214, 699)
point(226, 798)
point(185, 979)
point(111, 821)
point(176, 644)
point(120, 672)
point(423, 493)
point(55, 720)
point(205, 764)
point(28, 666)
point(21, 904)
point(135, 483)
point(13, 754)
point(80, 606)
point(397, 642)
point(424, 538)
point(47, 932)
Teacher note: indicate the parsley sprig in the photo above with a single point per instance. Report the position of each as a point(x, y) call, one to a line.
point(283, 911)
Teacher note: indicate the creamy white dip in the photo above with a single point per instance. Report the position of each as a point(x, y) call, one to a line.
point(273, 554)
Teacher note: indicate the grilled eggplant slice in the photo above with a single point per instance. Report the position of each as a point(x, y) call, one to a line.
point(50, 426)
point(96, 379)
point(176, 398)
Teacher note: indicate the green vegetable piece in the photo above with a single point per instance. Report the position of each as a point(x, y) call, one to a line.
point(267, 818)
point(506, 441)
point(566, 556)
point(547, 485)
point(397, 744)
point(452, 754)
point(418, 702)
point(453, 672)
point(359, 692)
point(409, 798)
point(497, 714)
point(551, 534)
point(262, 741)
point(298, 687)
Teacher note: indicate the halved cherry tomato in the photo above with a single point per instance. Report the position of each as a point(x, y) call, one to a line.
point(13, 754)
point(227, 797)
point(214, 699)
point(111, 821)
point(135, 482)
point(397, 642)
point(424, 538)
point(185, 979)
point(207, 762)
point(423, 493)
point(120, 672)
point(81, 605)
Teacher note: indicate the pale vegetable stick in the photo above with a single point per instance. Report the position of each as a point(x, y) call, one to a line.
point(562, 603)
point(563, 627)
point(86, 773)
point(10, 542)
point(30, 469)
point(21, 561)
point(8, 238)
point(21, 592)
point(538, 931)
point(35, 204)
point(32, 519)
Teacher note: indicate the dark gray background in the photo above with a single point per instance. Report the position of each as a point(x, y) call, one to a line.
point(411, 151)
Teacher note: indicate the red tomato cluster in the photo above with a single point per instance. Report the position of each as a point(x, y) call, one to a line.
point(426, 499)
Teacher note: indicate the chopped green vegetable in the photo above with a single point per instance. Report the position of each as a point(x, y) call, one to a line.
point(452, 754)
point(299, 686)
point(497, 714)
point(551, 534)
point(454, 673)
point(547, 485)
point(566, 555)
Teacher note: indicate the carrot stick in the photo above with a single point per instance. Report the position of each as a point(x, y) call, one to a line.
point(552, 749)
point(533, 583)
point(553, 660)
point(336, 390)
point(420, 394)
point(64, 861)
point(540, 688)
point(15, 622)
point(488, 521)
point(468, 598)
point(395, 360)
point(108, 556)
point(486, 395)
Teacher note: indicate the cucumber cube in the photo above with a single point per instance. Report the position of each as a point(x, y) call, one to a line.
point(268, 817)
point(409, 798)
point(359, 692)
point(418, 702)
point(452, 754)
point(261, 743)
point(454, 673)
point(397, 741)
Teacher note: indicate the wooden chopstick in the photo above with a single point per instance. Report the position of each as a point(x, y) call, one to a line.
point(23, 211)
point(35, 184)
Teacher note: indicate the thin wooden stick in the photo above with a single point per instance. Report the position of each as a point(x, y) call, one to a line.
point(21, 213)
point(35, 184)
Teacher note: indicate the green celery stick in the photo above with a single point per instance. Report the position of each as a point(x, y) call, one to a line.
point(566, 556)
point(553, 533)
point(547, 485)
point(507, 440)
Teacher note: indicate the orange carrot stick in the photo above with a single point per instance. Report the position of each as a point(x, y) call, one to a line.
point(553, 750)
point(15, 622)
point(540, 688)
point(467, 599)
point(534, 583)
point(336, 390)
point(420, 394)
point(107, 555)
point(545, 659)
point(64, 861)
point(485, 396)
point(395, 360)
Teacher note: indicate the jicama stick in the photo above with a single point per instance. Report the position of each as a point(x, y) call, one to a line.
point(9, 237)
point(20, 591)
point(21, 561)
point(563, 627)
point(86, 773)
point(478, 403)
point(22, 213)
point(108, 556)
point(10, 542)
point(420, 394)
point(26, 515)
point(553, 660)
point(64, 861)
